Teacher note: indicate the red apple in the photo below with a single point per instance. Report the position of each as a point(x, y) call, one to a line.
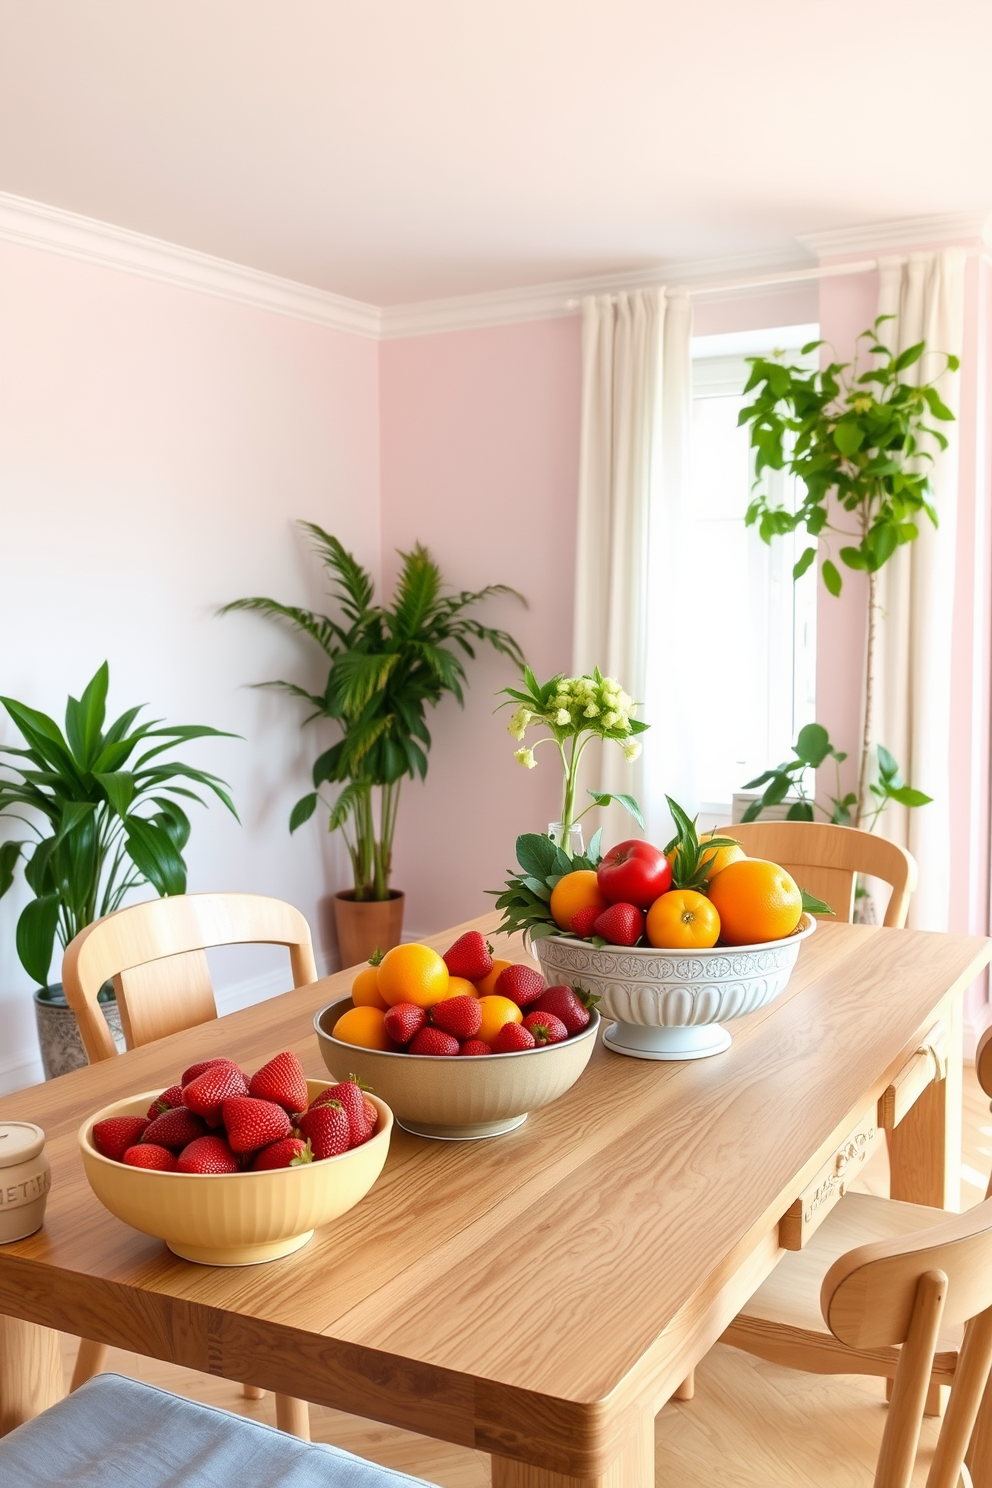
point(634, 872)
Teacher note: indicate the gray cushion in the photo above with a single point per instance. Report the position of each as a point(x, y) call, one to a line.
point(117, 1433)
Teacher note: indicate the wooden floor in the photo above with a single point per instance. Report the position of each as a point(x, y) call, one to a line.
point(784, 1429)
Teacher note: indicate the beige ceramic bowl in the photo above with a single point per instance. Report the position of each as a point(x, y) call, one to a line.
point(458, 1098)
point(233, 1219)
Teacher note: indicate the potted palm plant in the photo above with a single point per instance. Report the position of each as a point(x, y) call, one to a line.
point(102, 810)
point(388, 663)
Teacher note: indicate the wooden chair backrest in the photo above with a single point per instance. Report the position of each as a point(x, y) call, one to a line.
point(154, 954)
point(824, 860)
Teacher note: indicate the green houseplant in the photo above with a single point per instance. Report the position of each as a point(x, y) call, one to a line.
point(859, 442)
point(104, 811)
point(388, 664)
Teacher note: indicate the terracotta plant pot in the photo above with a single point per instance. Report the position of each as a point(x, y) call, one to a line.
point(367, 925)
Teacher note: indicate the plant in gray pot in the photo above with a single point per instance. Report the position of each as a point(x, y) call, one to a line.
point(102, 810)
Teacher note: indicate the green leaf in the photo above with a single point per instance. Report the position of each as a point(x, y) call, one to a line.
point(344, 806)
point(909, 356)
point(800, 567)
point(812, 905)
point(938, 408)
point(303, 811)
point(849, 437)
point(594, 850)
point(752, 811)
point(882, 540)
point(905, 795)
point(119, 786)
point(540, 889)
point(10, 852)
point(155, 855)
point(536, 854)
point(853, 557)
point(813, 744)
point(777, 790)
point(84, 720)
point(628, 803)
point(35, 936)
point(887, 766)
point(800, 811)
point(831, 578)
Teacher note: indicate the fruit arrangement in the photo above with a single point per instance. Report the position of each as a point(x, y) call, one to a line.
point(696, 892)
point(414, 1001)
point(219, 1120)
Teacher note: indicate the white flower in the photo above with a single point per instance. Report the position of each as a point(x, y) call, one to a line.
point(631, 750)
point(526, 758)
point(591, 711)
point(563, 718)
point(625, 701)
point(518, 723)
point(610, 720)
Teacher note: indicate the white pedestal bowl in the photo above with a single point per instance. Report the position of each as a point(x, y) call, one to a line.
point(672, 1004)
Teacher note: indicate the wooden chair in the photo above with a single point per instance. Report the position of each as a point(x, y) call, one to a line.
point(825, 860)
point(154, 954)
point(900, 1291)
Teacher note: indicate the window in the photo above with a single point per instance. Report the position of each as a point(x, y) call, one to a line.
point(753, 686)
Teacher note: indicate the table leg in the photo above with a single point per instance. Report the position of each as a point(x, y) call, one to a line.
point(925, 1148)
point(633, 1467)
point(30, 1371)
point(979, 1455)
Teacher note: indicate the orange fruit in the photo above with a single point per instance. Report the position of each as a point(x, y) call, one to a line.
point(495, 1012)
point(364, 1026)
point(683, 920)
point(365, 989)
point(459, 987)
point(578, 890)
point(720, 857)
point(488, 983)
point(756, 901)
point(413, 973)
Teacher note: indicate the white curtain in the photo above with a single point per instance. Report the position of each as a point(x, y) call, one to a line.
point(636, 404)
point(916, 588)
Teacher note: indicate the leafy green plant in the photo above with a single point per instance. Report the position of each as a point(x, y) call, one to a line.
point(575, 710)
point(87, 805)
point(811, 750)
point(387, 665)
point(526, 899)
point(857, 441)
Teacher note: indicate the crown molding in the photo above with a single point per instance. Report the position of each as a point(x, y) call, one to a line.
point(901, 232)
point(35, 225)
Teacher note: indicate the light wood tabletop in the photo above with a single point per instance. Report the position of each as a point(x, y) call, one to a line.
point(540, 1295)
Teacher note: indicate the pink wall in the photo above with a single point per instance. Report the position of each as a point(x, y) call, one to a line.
point(479, 459)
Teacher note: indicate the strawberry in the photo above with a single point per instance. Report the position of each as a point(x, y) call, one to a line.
point(253, 1123)
point(404, 1021)
point(475, 1046)
point(115, 1135)
point(148, 1155)
point(281, 1081)
point(521, 984)
point(327, 1129)
point(573, 1008)
point(219, 1082)
point(470, 957)
point(188, 1076)
point(209, 1154)
point(546, 1028)
point(371, 1115)
point(461, 1016)
point(291, 1152)
point(513, 1038)
point(434, 1041)
point(176, 1129)
point(583, 920)
point(349, 1094)
point(167, 1101)
point(621, 924)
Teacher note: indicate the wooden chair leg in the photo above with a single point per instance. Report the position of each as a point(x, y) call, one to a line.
point(252, 1392)
point(30, 1371)
point(909, 1390)
point(970, 1379)
point(293, 1416)
point(687, 1388)
point(91, 1360)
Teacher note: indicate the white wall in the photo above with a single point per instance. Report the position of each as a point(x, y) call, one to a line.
point(156, 447)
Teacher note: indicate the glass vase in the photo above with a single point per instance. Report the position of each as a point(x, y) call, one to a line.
point(574, 847)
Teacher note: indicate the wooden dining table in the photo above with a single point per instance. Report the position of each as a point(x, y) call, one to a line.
point(537, 1296)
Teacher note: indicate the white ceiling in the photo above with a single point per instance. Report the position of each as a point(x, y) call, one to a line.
point(400, 150)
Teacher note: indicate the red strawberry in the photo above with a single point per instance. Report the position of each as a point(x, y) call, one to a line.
point(621, 924)
point(349, 1094)
point(219, 1082)
point(521, 984)
point(546, 1028)
point(470, 957)
point(512, 1038)
point(147, 1155)
point(573, 1008)
point(404, 1021)
point(188, 1076)
point(253, 1123)
point(371, 1115)
point(327, 1129)
point(169, 1100)
point(176, 1129)
point(461, 1016)
point(281, 1081)
point(115, 1135)
point(291, 1152)
point(583, 920)
point(475, 1046)
point(207, 1155)
point(434, 1041)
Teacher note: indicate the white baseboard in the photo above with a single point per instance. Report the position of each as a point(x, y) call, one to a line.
point(19, 1071)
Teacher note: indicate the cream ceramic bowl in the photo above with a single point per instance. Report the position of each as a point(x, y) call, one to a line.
point(671, 1004)
point(233, 1219)
point(458, 1098)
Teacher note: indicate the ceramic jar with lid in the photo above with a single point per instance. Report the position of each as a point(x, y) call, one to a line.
point(25, 1178)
